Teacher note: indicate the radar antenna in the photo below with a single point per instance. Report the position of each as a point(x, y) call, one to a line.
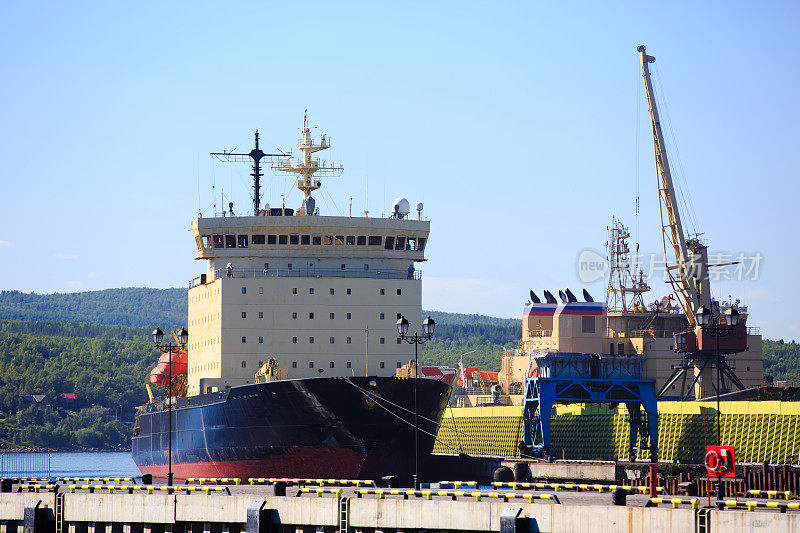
point(307, 166)
point(256, 154)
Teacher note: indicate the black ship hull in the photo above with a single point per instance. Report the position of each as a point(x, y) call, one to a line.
point(347, 428)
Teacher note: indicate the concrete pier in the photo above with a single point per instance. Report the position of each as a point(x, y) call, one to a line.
point(251, 510)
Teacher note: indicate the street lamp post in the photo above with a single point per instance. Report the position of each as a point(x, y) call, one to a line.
point(717, 330)
point(183, 338)
point(428, 326)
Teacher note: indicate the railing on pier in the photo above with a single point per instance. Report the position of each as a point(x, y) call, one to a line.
point(25, 464)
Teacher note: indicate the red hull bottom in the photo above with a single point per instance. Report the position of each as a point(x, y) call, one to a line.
point(307, 463)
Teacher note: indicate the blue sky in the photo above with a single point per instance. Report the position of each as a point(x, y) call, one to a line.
point(515, 123)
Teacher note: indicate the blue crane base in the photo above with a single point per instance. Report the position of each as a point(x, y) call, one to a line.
point(542, 393)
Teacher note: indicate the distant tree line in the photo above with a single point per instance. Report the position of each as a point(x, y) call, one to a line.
point(126, 307)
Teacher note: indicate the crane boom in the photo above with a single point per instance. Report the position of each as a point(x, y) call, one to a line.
point(691, 285)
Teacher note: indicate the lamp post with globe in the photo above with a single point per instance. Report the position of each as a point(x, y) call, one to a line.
point(428, 326)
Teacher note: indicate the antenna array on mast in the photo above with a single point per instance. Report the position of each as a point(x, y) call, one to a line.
point(622, 281)
point(256, 155)
point(308, 166)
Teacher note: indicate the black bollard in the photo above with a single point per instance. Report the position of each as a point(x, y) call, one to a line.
point(619, 496)
point(390, 482)
point(522, 472)
point(279, 488)
point(503, 475)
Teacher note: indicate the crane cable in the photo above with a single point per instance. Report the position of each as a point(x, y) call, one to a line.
point(685, 197)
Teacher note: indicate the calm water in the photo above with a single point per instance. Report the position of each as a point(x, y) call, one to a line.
point(65, 464)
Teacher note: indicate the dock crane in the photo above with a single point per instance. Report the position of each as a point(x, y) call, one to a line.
point(689, 275)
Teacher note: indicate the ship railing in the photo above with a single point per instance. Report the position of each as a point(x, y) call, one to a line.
point(540, 333)
point(538, 342)
point(654, 333)
point(241, 273)
point(668, 334)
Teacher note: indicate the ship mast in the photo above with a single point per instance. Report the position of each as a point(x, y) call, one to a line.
point(256, 154)
point(622, 280)
point(308, 166)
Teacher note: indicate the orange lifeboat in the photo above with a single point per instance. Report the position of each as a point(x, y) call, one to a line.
point(160, 374)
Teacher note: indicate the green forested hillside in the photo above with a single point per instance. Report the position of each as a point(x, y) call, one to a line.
point(107, 376)
point(782, 359)
point(126, 307)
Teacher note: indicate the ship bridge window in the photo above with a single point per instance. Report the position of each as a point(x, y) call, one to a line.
point(294, 238)
point(587, 325)
point(258, 238)
point(242, 241)
point(305, 239)
point(374, 240)
point(361, 240)
point(328, 240)
point(351, 240)
point(411, 244)
point(401, 243)
point(389, 243)
point(272, 239)
point(421, 244)
point(219, 241)
point(206, 241)
point(230, 241)
point(283, 239)
point(316, 240)
point(339, 239)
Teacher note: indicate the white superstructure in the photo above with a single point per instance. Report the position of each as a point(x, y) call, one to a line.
point(320, 294)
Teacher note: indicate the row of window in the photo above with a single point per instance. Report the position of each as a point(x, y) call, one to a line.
point(331, 340)
point(332, 316)
point(382, 364)
point(401, 242)
point(311, 289)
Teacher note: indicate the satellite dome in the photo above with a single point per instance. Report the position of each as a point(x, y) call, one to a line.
point(418, 207)
point(401, 207)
